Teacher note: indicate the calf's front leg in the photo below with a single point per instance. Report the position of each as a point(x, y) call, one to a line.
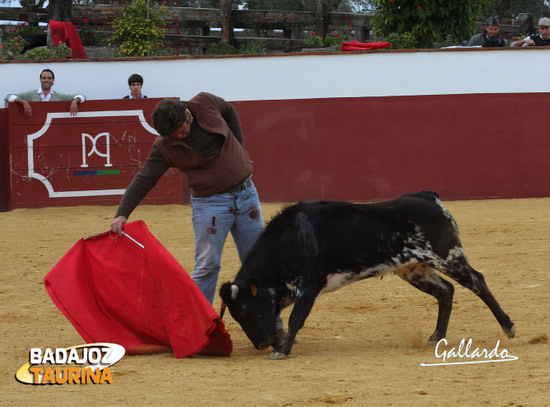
point(302, 307)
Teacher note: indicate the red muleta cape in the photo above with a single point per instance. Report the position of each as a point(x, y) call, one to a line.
point(65, 32)
point(363, 46)
point(141, 298)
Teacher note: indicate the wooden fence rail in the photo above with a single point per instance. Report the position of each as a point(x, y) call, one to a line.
point(195, 29)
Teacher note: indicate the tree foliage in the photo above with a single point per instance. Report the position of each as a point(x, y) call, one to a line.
point(428, 21)
point(138, 30)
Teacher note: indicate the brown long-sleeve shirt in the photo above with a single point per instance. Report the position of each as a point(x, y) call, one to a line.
point(214, 160)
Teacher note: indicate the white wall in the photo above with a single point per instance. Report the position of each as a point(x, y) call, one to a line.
point(296, 76)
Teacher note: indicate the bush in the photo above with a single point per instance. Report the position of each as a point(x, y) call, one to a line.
point(135, 34)
point(221, 48)
point(164, 52)
point(89, 36)
point(253, 47)
point(402, 41)
point(332, 40)
point(314, 41)
point(36, 54)
point(12, 47)
point(62, 51)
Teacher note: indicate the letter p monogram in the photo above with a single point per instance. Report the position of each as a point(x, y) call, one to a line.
point(93, 149)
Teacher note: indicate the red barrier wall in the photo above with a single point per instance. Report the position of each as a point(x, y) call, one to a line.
point(89, 159)
point(462, 146)
point(4, 163)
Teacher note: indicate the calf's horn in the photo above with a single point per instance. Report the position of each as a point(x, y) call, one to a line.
point(234, 291)
point(222, 309)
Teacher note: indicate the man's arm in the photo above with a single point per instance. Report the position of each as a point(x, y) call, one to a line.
point(22, 99)
point(75, 100)
point(523, 43)
point(143, 182)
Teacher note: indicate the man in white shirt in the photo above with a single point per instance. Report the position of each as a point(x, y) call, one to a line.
point(45, 94)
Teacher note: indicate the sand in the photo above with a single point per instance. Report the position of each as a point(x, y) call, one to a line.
point(361, 346)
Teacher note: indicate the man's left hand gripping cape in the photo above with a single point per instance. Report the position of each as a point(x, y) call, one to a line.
point(141, 298)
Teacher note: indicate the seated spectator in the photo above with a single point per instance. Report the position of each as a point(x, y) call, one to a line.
point(135, 82)
point(490, 37)
point(541, 39)
point(45, 94)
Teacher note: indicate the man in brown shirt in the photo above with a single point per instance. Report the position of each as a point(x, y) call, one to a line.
point(203, 138)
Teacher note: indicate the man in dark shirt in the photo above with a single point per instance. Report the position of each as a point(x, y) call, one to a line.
point(490, 37)
point(542, 39)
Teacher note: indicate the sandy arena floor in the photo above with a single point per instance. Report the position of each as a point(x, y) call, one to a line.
point(361, 346)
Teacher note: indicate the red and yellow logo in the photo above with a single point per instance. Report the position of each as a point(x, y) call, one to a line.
point(81, 364)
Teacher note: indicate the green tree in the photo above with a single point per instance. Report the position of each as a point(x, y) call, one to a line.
point(428, 21)
point(139, 30)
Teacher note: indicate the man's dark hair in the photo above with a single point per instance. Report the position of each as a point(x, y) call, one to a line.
point(135, 78)
point(168, 115)
point(492, 21)
point(47, 70)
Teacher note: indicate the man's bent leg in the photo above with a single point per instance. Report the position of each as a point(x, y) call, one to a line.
point(211, 223)
point(249, 221)
point(249, 225)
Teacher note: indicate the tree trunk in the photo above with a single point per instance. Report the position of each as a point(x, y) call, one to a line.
point(59, 10)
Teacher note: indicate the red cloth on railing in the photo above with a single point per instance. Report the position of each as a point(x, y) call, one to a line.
point(63, 31)
point(363, 46)
point(141, 298)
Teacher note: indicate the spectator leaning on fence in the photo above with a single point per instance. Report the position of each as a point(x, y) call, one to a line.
point(542, 39)
point(45, 94)
point(490, 37)
point(135, 82)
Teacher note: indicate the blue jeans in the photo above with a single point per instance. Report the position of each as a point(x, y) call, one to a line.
point(214, 217)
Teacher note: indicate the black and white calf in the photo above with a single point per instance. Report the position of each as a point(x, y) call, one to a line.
point(317, 247)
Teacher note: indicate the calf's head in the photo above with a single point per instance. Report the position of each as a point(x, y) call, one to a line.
point(253, 308)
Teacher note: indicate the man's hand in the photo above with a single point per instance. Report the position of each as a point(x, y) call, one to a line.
point(27, 110)
point(116, 225)
point(74, 107)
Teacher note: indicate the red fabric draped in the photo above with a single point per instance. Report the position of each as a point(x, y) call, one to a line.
point(63, 31)
point(141, 298)
point(363, 46)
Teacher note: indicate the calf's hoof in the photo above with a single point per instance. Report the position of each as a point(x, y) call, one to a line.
point(510, 332)
point(277, 355)
point(434, 339)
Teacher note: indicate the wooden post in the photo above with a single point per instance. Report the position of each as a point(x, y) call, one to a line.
point(227, 22)
point(321, 18)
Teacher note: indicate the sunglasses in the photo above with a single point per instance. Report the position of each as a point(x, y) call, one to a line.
point(543, 26)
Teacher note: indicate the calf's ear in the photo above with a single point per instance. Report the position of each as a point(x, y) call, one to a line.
point(253, 285)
